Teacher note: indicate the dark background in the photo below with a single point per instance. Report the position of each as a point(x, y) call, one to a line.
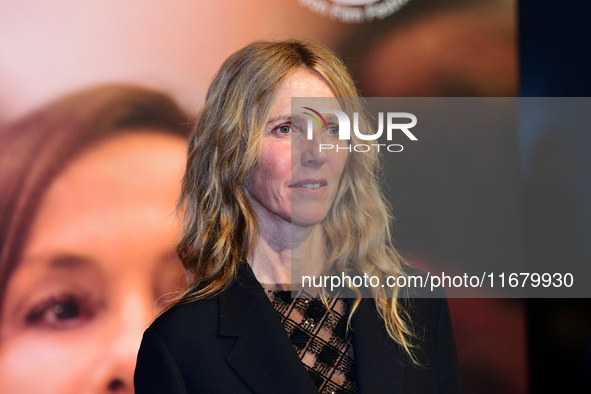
point(555, 62)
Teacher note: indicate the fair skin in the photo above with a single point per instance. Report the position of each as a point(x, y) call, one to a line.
point(294, 184)
point(99, 257)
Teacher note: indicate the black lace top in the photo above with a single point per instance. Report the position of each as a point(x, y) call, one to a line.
point(319, 337)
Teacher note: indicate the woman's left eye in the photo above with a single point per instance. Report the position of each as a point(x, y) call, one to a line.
point(334, 130)
point(284, 129)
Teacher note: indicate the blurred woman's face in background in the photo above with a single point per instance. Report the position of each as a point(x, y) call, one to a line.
point(99, 256)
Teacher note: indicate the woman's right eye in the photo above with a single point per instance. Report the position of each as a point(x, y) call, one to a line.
point(283, 129)
point(60, 312)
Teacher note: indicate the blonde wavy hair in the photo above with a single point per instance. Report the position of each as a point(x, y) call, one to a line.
point(220, 226)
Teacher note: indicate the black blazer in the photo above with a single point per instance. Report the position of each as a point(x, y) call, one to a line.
point(235, 343)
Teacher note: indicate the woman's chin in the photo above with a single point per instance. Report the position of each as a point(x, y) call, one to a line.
point(307, 219)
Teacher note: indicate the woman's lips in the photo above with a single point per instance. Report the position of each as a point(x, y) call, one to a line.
point(309, 184)
point(312, 188)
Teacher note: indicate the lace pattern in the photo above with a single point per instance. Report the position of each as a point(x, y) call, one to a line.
point(319, 337)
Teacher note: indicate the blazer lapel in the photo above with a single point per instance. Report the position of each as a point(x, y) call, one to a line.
point(263, 355)
point(379, 363)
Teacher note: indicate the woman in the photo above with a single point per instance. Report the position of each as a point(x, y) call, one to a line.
point(88, 186)
point(259, 197)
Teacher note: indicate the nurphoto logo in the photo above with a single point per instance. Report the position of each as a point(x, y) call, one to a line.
point(354, 11)
point(344, 129)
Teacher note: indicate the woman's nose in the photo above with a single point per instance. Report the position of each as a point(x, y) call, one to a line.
point(311, 150)
point(121, 347)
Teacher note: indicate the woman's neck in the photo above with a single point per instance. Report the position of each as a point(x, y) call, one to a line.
point(284, 249)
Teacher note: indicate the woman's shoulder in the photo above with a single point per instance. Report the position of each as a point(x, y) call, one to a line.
point(188, 317)
point(204, 316)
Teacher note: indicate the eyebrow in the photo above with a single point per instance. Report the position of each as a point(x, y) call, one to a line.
point(286, 117)
point(70, 261)
point(62, 264)
point(331, 118)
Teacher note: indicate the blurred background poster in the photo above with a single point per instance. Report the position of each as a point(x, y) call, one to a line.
point(73, 302)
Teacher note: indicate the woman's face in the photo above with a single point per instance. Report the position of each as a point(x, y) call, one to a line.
point(294, 181)
point(99, 255)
